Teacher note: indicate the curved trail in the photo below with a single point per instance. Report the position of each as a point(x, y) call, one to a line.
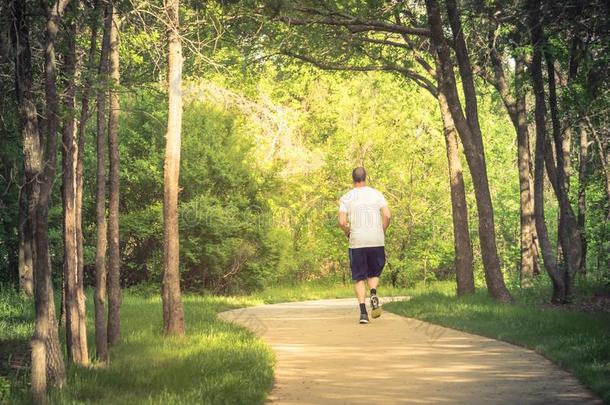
point(325, 357)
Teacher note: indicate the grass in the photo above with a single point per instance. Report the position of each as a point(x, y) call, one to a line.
point(16, 327)
point(217, 363)
point(220, 363)
point(576, 341)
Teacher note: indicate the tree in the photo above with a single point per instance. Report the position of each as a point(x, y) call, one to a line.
point(101, 326)
point(461, 233)
point(114, 260)
point(47, 360)
point(516, 107)
point(26, 265)
point(76, 333)
point(550, 263)
point(173, 312)
point(470, 134)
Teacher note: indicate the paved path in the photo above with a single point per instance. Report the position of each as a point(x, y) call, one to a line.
point(325, 357)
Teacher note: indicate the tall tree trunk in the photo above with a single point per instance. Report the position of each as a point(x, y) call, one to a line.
point(39, 172)
point(516, 108)
point(473, 149)
point(571, 241)
point(114, 260)
point(46, 319)
point(80, 165)
point(529, 263)
point(26, 266)
point(77, 346)
point(461, 234)
point(550, 263)
point(173, 313)
point(45, 342)
point(582, 187)
point(101, 332)
point(475, 155)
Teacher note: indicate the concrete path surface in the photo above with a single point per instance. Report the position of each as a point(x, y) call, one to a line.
point(325, 357)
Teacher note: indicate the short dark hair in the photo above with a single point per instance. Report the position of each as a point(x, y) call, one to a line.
point(359, 174)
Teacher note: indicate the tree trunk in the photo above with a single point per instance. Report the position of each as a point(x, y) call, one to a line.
point(461, 234)
point(46, 322)
point(47, 360)
point(173, 313)
point(26, 266)
point(114, 262)
point(80, 165)
point(39, 173)
point(473, 149)
point(39, 373)
point(582, 186)
point(76, 333)
point(571, 241)
point(516, 108)
point(475, 154)
point(550, 263)
point(101, 332)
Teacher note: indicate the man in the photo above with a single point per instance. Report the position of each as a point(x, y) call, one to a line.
point(364, 217)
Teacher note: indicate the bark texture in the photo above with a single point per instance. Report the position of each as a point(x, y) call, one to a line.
point(548, 254)
point(473, 148)
point(114, 261)
point(569, 234)
point(46, 322)
point(82, 126)
point(26, 266)
point(39, 172)
point(461, 235)
point(173, 313)
point(39, 373)
point(76, 333)
point(101, 332)
point(516, 107)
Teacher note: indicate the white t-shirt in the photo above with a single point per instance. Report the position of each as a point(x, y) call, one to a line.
point(363, 206)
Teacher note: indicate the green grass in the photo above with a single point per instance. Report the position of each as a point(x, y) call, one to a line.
point(217, 363)
point(576, 341)
point(16, 327)
point(220, 363)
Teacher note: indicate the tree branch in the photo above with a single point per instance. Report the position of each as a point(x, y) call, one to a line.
point(353, 24)
point(416, 77)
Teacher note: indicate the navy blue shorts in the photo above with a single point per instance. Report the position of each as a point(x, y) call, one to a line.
point(366, 262)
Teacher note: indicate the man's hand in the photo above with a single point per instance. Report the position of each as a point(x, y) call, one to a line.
point(343, 223)
point(385, 217)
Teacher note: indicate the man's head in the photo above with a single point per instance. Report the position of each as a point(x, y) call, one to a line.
point(359, 175)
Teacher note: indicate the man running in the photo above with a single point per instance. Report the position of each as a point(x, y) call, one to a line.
point(364, 217)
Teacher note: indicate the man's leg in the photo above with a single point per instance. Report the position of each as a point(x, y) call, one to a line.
point(360, 291)
point(360, 288)
point(359, 271)
point(373, 281)
point(375, 306)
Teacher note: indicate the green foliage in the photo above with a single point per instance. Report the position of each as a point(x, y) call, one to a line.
point(16, 328)
point(224, 226)
point(217, 363)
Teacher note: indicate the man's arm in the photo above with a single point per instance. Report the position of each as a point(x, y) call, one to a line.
point(385, 217)
point(343, 223)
